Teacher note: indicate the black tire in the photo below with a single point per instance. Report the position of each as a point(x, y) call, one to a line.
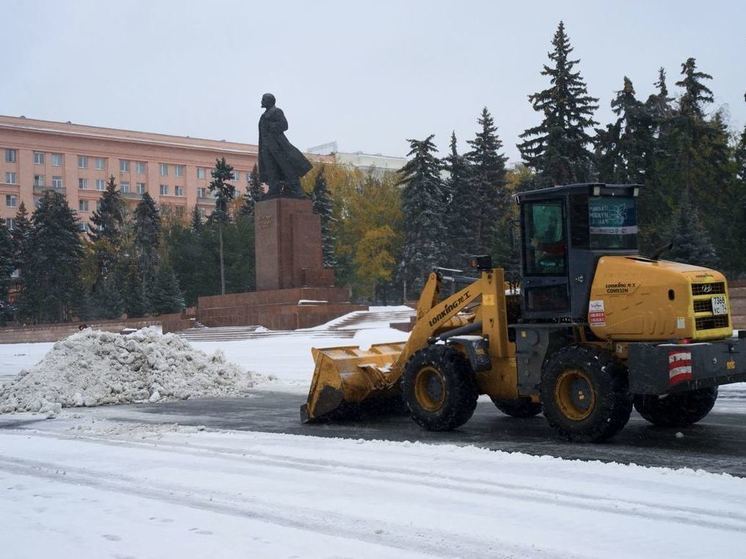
point(439, 389)
point(520, 408)
point(585, 394)
point(679, 409)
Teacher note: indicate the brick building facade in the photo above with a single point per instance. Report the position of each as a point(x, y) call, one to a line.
point(77, 160)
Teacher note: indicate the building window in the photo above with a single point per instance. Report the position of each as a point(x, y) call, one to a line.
point(38, 180)
point(179, 190)
point(201, 192)
point(57, 160)
point(38, 158)
point(201, 172)
point(236, 175)
point(11, 200)
point(84, 227)
point(57, 182)
point(10, 177)
point(82, 162)
point(164, 169)
point(179, 170)
point(125, 187)
point(10, 223)
point(100, 164)
point(83, 205)
point(10, 156)
point(141, 188)
point(140, 167)
point(124, 166)
point(82, 184)
point(180, 211)
point(100, 184)
point(164, 190)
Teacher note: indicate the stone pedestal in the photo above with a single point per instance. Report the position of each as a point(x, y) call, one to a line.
point(288, 246)
point(293, 289)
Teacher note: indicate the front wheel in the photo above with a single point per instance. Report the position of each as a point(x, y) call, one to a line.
point(439, 389)
point(584, 393)
point(680, 409)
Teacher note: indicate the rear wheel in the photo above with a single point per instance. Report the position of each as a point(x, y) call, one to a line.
point(677, 410)
point(584, 394)
point(438, 388)
point(521, 407)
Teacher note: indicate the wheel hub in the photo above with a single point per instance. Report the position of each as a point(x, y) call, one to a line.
point(430, 389)
point(575, 395)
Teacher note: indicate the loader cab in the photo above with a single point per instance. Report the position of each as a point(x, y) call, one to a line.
point(564, 231)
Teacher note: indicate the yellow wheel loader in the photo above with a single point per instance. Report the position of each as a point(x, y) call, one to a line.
point(595, 329)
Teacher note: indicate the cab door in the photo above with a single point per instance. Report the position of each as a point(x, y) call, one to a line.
point(545, 289)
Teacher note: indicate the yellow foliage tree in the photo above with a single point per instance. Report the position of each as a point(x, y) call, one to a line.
point(367, 226)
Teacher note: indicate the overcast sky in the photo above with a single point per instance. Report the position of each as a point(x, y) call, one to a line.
point(368, 74)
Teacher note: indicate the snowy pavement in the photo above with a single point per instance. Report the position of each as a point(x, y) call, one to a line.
point(126, 481)
point(101, 489)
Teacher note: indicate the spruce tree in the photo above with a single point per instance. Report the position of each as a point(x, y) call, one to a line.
point(696, 93)
point(7, 261)
point(7, 266)
point(197, 223)
point(105, 300)
point(21, 234)
point(192, 255)
point(166, 297)
point(696, 156)
point(252, 195)
point(224, 192)
point(487, 179)
point(624, 150)
point(659, 103)
point(691, 243)
point(557, 149)
point(322, 205)
point(147, 237)
point(463, 209)
point(423, 207)
point(134, 293)
point(108, 219)
point(655, 205)
point(107, 235)
point(51, 289)
point(740, 157)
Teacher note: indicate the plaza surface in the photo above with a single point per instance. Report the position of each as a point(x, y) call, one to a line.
point(242, 477)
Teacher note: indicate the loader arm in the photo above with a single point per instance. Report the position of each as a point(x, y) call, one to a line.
point(345, 376)
point(434, 316)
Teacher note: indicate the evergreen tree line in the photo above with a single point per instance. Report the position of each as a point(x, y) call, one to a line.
point(691, 166)
point(383, 233)
point(134, 263)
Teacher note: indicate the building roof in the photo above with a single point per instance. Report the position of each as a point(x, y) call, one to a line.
point(114, 134)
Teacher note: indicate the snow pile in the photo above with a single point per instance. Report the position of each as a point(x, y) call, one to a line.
point(92, 368)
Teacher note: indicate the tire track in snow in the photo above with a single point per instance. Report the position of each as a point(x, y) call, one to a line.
point(437, 543)
point(409, 477)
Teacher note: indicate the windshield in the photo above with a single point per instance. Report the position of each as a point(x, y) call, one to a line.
point(613, 222)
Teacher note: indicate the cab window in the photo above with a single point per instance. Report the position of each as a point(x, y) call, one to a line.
point(546, 247)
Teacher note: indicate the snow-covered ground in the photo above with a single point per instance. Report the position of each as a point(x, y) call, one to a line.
point(79, 489)
point(84, 485)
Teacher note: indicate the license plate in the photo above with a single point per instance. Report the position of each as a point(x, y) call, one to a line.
point(718, 305)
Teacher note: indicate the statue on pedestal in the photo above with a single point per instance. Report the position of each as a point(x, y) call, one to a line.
point(281, 165)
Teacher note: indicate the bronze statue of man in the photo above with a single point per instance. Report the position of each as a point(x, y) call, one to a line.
point(281, 165)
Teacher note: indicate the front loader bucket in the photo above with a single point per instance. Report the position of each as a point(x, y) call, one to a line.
point(345, 377)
